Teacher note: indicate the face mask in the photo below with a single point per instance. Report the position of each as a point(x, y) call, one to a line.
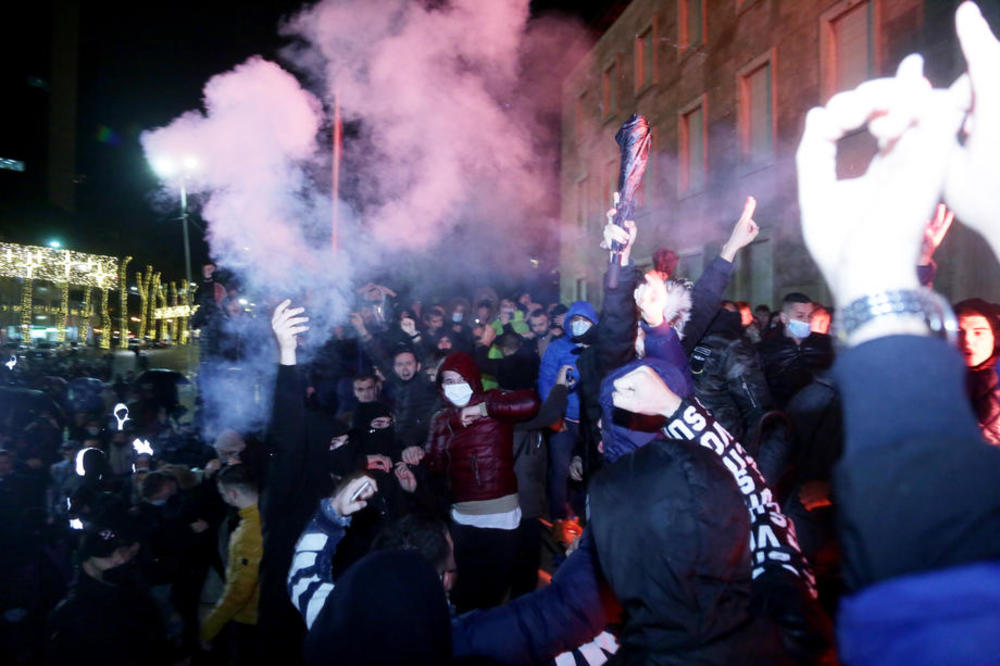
point(458, 394)
point(457, 317)
point(799, 329)
point(579, 328)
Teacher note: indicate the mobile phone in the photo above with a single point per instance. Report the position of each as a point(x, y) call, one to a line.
point(357, 493)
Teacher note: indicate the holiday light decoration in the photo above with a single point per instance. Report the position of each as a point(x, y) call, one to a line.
point(26, 291)
point(145, 283)
point(85, 315)
point(123, 294)
point(172, 312)
point(105, 320)
point(78, 269)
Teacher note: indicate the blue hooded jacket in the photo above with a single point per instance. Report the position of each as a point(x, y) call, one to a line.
point(563, 351)
point(618, 440)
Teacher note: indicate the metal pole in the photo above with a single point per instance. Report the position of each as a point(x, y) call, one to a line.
point(187, 268)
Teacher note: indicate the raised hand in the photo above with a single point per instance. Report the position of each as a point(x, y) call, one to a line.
point(865, 233)
point(643, 392)
point(379, 462)
point(407, 481)
point(412, 455)
point(286, 325)
point(935, 232)
point(744, 232)
point(353, 495)
point(971, 186)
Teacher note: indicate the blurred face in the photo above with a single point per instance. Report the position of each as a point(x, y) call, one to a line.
point(435, 321)
point(746, 315)
point(229, 454)
point(444, 344)
point(524, 299)
point(507, 305)
point(796, 312)
point(364, 389)
point(405, 366)
point(820, 321)
point(539, 325)
point(483, 314)
point(975, 339)
point(452, 377)
point(762, 317)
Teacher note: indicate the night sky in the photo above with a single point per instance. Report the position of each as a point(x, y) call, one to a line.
point(139, 70)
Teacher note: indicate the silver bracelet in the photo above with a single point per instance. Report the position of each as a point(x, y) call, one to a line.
point(932, 307)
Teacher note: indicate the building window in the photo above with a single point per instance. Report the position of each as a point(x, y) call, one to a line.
point(756, 110)
point(692, 22)
point(847, 43)
point(581, 114)
point(611, 178)
point(644, 60)
point(692, 149)
point(609, 91)
point(581, 289)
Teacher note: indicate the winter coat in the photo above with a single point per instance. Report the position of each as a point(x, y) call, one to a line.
point(922, 568)
point(242, 592)
point(983, 386)
point(729, 378)
point(564, 351)
point(672, 532)
point(100, 624)
point(790, 366)
point(414, 400)
point(518, 371)
point(478, 458)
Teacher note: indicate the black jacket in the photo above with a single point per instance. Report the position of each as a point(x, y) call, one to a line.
point(789, 367)
point(671, 530)
point(729, 378)
point(99, 624)
point(414, 401)
point(983, 386)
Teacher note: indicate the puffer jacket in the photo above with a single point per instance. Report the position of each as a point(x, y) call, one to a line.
point(564, 351)
point(789, 367)
point(729, 378)
point(478, 458)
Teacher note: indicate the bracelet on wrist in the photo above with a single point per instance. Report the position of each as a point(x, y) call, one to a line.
point(896, 312)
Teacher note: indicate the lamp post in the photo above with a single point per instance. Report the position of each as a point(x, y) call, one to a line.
point(170, 170)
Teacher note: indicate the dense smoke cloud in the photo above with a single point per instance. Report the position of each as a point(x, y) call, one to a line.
point(452, 151)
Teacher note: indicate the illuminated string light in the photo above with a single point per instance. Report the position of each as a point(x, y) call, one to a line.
point(79, 269)
point(123, 295)
point(105, 320)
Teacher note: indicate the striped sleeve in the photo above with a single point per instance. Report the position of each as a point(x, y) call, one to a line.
point(310, 578)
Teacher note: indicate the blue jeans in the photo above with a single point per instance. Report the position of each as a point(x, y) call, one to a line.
point(561, 447)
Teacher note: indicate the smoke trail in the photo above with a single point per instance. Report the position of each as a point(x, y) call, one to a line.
point(450, 169)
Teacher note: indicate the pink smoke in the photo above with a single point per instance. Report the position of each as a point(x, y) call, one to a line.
point(247, 150)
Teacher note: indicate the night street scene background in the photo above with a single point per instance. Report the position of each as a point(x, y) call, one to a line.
point(289, 290)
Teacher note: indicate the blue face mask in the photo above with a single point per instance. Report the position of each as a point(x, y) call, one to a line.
point(457, 317)
point(799, 329)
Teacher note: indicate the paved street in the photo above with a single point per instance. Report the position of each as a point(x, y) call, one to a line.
point(180, 358)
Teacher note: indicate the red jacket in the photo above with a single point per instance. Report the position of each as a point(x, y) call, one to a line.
point(479, 458)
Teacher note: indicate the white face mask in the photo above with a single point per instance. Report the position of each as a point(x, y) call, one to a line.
point(579, 327)
point(458, 394)
point(457, 317)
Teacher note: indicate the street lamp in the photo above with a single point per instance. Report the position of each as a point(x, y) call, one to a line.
point(55, 244)
point(170, 169)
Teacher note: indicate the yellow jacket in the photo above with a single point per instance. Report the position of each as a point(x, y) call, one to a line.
point(242, 592)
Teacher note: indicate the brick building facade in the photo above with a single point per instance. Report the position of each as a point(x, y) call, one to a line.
point(725, 85)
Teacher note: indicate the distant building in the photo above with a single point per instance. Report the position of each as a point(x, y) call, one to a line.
point(725, 85)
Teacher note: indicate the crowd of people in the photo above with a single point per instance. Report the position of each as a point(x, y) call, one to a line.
point(673, 478)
